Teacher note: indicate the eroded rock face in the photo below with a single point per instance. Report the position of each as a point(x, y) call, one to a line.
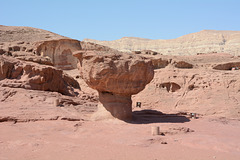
point(211, 87)
point(60, 51)
point(116, 76)
point(160, 63)
point(37, 59)
point(41, 46)
point(20, 74)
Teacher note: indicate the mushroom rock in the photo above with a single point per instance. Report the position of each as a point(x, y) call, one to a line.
point(116, 76)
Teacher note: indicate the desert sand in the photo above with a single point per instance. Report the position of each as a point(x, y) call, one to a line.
point(208, 138)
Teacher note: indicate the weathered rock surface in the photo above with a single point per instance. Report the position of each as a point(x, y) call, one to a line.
point(54, 49)
point(183, 64)
point(209, 88)
point(116, 76)
point(37, 59)
point(205, 41)
point(60, 51)
point(20, 74)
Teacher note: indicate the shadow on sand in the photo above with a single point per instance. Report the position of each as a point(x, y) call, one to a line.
point(154, 116)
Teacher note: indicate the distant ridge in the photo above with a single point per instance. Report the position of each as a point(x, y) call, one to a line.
point(205, 41)
point(27, 34)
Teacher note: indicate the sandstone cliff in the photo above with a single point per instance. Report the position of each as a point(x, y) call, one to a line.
point(205, 41)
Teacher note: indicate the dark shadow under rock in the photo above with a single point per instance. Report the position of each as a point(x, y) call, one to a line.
point(154, 116)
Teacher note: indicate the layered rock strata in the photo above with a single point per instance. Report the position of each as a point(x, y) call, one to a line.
point(20, 74)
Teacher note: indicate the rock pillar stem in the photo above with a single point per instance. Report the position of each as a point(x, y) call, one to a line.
point(119, 106)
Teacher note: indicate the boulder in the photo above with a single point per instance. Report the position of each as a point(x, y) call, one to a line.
point(227, 66)
point(160, 63)
point(116, 77)
point(183, 64)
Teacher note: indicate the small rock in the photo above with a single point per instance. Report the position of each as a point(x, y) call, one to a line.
point(163, 142)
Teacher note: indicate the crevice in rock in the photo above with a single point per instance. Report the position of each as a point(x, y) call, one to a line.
point(170, 86)
point(106, 92)
point(72, 119)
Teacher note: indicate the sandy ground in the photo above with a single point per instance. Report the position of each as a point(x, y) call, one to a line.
point(195, 139)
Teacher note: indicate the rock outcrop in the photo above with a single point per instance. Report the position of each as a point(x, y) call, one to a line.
point(20, 74)
point(37, 59)
point(41, 46)
point(210, 87)
point(160, 63)
point(60, 51)
point(116, 77)
point(227, 66)
point(182, 64)
point(205, 41)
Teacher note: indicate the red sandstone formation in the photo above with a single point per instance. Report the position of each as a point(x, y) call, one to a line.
point(20, 74)
point(116, 77)
point(41, 46)
point(207, 84)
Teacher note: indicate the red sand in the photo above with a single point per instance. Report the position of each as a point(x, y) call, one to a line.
point(113, 139)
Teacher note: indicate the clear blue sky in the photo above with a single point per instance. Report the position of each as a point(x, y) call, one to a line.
point(113, 19)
